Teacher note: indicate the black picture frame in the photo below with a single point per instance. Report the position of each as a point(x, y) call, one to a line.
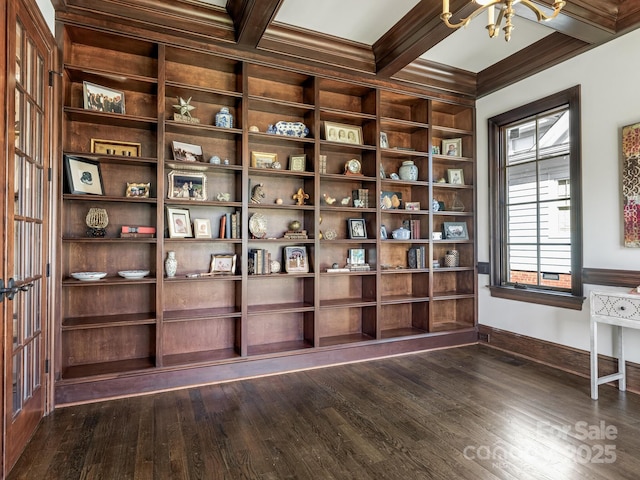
point(83, 176)
point(455, 231)
point(357, 229)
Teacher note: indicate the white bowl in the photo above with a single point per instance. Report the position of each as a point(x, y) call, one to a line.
point(88, 276)
point(133, 273)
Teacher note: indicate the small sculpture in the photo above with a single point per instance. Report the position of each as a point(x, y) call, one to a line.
point(345, 201)
point(300, 196)
point(257, 193)
point(329, 200)
point(184, 111)
point(223, 197)
point(97, 221)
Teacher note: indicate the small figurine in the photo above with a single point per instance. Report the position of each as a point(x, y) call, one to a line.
point(329, 200)
point(345, 201)
point(223, 197)
point(257, 193)
point(183, 107)
point(300, 196)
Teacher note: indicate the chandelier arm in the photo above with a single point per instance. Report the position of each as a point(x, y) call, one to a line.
point(465, 21)
point(557, 6)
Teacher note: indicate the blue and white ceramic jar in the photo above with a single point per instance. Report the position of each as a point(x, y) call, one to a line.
point(224, 119)
point(408, 171)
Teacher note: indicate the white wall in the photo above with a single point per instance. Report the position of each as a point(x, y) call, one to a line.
point(48, 12)
point(610, 99)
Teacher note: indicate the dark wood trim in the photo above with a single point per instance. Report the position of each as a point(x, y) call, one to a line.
point(567, 359)
point(250, 20)
point(540, 297)
point(439, 76)
point(610, 277)
point(156, 380)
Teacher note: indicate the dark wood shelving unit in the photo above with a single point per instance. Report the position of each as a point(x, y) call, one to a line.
point(118, 337)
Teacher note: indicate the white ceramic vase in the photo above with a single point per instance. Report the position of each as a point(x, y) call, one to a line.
point(171, 264)
point(408, 171)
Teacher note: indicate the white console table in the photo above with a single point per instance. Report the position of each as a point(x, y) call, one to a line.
point(622, 310)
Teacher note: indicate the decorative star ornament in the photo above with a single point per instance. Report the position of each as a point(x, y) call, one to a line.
point(183, 107)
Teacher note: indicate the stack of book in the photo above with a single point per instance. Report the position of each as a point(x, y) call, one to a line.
point(416, 257)
point(361, 267)
point(138, 231)
point(296, 234)
point(360, 198)
point(259, 262)
point(323, 164)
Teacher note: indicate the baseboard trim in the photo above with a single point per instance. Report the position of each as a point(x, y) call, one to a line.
point(568, 359)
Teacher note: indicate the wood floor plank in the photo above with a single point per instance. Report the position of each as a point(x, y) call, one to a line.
point(466, 413)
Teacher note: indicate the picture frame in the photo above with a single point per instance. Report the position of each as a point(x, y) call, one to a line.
point(452, 147)
point(113, 147)
point(223, 263)
point(357, 228)
point(356, 256)
point(187, 152)
point(384, 140)
point(390, 200)
point(455, 176)
point(179, 223)
point(138, 190)
point(102, 99)
point(383, 232)
point(201, 228)
point(263, 159)
point(455, 231)
point(187, 185)
point(412, 206)
point(83, 176)
point(298, 163)
point(296, 260)
point(343, 133)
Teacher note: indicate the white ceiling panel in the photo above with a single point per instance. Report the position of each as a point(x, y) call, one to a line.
point(363, 21)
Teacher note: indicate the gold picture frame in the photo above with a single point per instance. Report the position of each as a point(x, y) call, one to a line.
point(343, 133)
point(138, 190)
point(223, 264)
point(201, 228)
point(179, 223)
point(452, 147)
point(115, 147)
point(263, 159)
point(298, 163)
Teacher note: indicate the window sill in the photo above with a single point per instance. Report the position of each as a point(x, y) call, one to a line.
point(540, 297)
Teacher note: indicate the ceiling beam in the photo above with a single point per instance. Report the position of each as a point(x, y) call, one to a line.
point(415, 33)
point(251, 18)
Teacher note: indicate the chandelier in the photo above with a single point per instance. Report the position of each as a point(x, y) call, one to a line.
point(506, 13)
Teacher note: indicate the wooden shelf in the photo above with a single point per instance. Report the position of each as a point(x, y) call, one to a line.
point(344, 339)
point(194, 358)
point(107, 368)
point(278, 347)
point(279, 308)
point(109, 321)
point(199, 313)
point(402, 332)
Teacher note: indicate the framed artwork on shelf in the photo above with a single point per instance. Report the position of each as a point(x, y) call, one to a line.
point(384, 140)
point(390, 200)
point(179, 223)
point(113, 147)
point(343, 133)
point(223, 263)
point(456, 176)
point(263, 159)
point(187, 185)
point(83, 176)
point(102, 99)
point(357, 228)
point(298, 163)
point(412, 206)
point(356, 256)
point(138, 190)
point(383, 232)
point(201, 228)
point(452, 147)
point(296, 260)
point(187, 152)
point(455, 231)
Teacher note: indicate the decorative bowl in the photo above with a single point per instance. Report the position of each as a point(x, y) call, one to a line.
point(401, 234)
point(133, 273)
point(88, 276)
point(290, 129)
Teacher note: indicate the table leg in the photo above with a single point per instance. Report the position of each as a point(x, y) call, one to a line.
point(622, 366)
point(594, 360)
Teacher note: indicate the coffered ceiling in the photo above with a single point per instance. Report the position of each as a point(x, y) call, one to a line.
point(399, 39)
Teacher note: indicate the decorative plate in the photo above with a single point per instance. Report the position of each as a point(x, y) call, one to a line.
point(258, 225)
point(88, 276)
point(275, 266)
point(133, 273)
point(290, 129)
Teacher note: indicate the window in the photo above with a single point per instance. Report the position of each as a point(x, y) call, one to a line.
point(536, 237)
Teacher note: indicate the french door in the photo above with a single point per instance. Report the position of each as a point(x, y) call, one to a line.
point(25, 227)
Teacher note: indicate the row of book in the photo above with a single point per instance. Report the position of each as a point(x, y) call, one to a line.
point(230, 225)
point(416, 257)
point(259, 262)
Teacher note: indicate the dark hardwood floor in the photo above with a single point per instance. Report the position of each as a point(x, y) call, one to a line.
point(463, 413)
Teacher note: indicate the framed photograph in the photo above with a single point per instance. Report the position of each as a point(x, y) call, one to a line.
point(138, 190)
point(223, 263)
point(102, 99)
point(384, 141)
point(357, 228)
point(383, 232)
point(342, 133)
point(179, 223)
point(413, 206)
point(390, 200)
point(186, 152)
point(356, 256)
point(83, 176)
point(456, 176)
point(263, 160)
point(452, 147)
point(201, 228)
point(112, 147)
point(297, 163)
point(187, 185)
point(296, 260)
point(455, 231)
